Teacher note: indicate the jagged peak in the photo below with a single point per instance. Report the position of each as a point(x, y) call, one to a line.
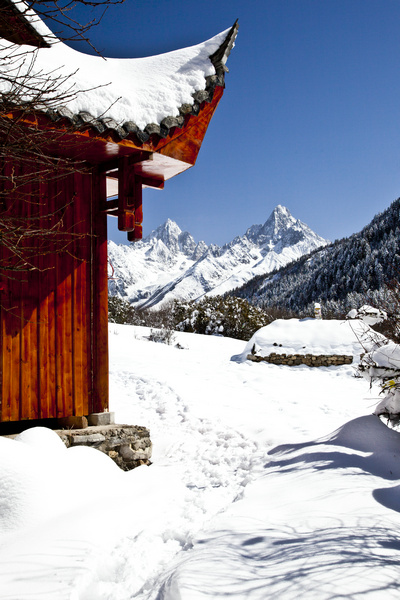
point(173, 238)
point(171, 227)
point(165, 232)
point(279, 209)
point(281, 216)
point(280, 219)
point(280, 224)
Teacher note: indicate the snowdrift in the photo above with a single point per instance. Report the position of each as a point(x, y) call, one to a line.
point(307, 336)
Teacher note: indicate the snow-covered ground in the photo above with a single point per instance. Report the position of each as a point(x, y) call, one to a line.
point(267, 482)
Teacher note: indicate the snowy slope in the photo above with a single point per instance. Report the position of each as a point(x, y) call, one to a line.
point(341, 275)
point(267, 482)
point(168, 264)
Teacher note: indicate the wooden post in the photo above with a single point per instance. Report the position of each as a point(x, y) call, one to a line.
point(126, 195)
point(100, 296)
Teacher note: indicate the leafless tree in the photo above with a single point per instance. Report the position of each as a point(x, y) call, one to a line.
point(27, 158)
point(390, 303)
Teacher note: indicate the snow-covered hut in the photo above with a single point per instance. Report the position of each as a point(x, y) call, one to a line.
point(132, 124)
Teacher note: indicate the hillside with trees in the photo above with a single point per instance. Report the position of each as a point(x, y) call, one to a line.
point(341, 275)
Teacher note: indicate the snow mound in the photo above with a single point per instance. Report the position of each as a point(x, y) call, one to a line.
point(35, 467)
point(307, 336)
point(42, 438)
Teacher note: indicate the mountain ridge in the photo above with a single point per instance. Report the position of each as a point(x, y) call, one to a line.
point(168, 264)
point(342, 275)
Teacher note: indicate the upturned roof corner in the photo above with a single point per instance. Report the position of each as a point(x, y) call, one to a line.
point(220, 56)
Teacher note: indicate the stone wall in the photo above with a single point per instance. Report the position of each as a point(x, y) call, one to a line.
point(311, 360)
point(129, 446)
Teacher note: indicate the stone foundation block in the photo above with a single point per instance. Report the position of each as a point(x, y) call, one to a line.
point(128, 445)
point(101, 419)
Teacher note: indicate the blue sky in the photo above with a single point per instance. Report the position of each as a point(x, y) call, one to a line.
point(310, 117)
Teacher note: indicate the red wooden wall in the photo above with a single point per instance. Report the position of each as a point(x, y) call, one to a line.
point(53, 319)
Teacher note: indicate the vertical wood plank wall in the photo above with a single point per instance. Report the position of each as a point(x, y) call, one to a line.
point(53, 320)
point(100, 300)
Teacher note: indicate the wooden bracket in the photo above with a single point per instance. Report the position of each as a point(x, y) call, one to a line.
point(129, 194)
point(130, 201)
point(110, 207)
point(129, 205)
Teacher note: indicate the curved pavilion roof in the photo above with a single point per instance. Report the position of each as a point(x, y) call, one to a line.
point(153, 110)
point(136, 97)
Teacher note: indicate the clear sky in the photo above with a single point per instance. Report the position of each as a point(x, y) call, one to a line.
point(310, 117)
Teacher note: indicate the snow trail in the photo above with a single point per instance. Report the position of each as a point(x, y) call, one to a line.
point(244, 498)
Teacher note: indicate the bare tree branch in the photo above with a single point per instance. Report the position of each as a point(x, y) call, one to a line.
point(29, 228)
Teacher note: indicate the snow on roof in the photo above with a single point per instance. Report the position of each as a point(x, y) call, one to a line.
point(32, 19)
point(136, 92)
point(307, 336)
point(368, 314)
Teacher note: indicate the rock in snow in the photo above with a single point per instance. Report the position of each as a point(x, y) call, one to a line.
point(168, 264)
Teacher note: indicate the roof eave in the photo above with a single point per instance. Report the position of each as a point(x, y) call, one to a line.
point(169, 124)
point(220, 56)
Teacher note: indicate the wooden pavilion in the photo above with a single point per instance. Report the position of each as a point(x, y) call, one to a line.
point(54, 312)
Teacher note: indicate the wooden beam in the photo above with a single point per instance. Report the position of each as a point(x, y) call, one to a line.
point(110, 207)
point(153, 182)
point(129, 205)
point(113, 165)
point(136, 234)
point(138, 200)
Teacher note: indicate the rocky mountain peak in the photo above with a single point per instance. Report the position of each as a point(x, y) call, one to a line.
point(281, 227)
point(175, 240)
point(168, 233)
point(279, 221)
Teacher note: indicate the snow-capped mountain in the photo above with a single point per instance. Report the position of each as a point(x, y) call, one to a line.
point(168, 264)
point(354, 270)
